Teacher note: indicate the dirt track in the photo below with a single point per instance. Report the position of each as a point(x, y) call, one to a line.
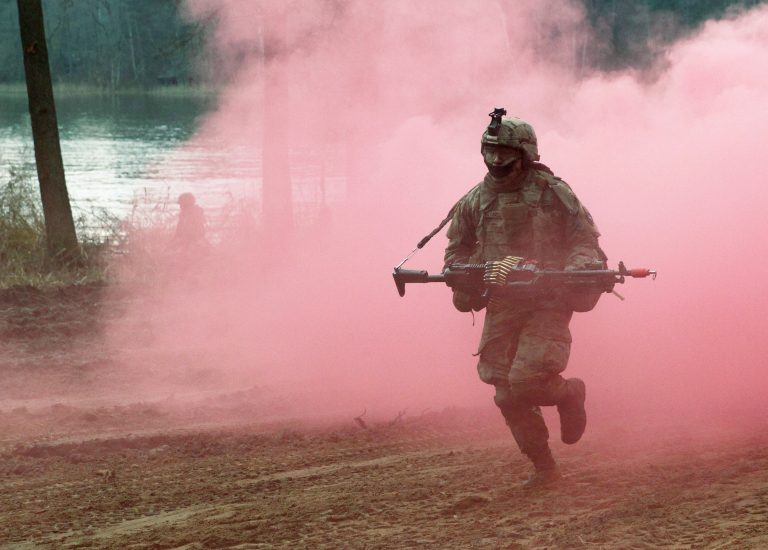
point(432, 482)
point(71, 476)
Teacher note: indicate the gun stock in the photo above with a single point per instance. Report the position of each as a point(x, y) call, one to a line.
point(405, 276)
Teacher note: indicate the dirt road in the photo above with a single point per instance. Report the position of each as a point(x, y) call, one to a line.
point(438, 481)
point(162, 475)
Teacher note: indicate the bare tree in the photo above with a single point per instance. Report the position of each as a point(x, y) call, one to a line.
point(59, 225)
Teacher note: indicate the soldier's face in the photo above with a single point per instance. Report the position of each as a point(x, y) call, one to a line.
point(501, 161)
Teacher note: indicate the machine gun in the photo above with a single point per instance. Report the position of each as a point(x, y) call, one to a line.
point(514, 277)
point(524, 281)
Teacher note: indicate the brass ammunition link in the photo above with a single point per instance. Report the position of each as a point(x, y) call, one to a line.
point(496, 272)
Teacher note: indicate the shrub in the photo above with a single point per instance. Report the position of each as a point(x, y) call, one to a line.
point(23, 255)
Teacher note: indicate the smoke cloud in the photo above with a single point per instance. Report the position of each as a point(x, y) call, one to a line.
point(392, 98)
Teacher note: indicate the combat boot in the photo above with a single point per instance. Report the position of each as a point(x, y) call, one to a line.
point(573, 416)
point(547, 473)
point(543, 478)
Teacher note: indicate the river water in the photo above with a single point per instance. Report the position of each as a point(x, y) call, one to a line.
point(123, 150)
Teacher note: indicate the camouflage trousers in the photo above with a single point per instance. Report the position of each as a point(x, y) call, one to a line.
point(522, 353)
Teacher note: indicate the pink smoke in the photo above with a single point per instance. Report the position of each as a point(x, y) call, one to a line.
point(670, 171)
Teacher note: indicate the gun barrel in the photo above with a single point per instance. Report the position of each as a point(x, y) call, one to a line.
point(637, 273)
point(641, 272)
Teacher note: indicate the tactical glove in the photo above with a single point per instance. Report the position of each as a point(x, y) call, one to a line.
point(583, 299)
point(466, 301)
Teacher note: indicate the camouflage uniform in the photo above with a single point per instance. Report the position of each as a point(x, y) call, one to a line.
point(525, 343)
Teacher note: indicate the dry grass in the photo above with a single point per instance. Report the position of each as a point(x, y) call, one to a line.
point(23, 257)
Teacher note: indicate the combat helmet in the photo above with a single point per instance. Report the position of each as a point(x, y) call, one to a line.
point(510, 132)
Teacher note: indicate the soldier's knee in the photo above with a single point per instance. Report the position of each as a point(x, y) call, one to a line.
point(502, 396)
point(506, 399)
point(531, 392)
point(492, 372)
point(542, 391)
point(519, 391)
point(538, 356)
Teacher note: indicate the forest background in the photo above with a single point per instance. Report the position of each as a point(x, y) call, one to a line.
point(155, 43)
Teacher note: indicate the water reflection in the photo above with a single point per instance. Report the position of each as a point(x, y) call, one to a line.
point(118, 148)
point(109, 144)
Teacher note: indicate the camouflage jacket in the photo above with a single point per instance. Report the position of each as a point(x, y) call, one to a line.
point(539, 218)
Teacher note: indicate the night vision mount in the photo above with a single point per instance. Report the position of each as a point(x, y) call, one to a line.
point(495, 125)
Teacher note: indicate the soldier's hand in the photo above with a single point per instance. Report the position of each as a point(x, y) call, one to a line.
point(466, 301)
point(582, 299)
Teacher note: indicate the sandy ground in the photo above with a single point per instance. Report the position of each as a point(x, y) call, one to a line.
point(76, 472)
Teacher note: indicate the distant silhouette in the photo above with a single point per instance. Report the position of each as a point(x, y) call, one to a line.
point(190, 229)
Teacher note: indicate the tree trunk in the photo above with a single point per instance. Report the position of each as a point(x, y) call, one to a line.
point(277, 201)
point(132, 49)
point(59, 225)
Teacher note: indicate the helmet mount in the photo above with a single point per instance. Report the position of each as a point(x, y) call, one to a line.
point(495, 125)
